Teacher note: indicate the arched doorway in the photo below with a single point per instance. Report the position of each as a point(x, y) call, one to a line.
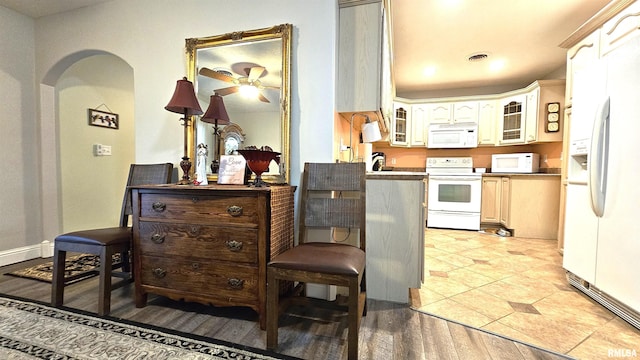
point(80, 189)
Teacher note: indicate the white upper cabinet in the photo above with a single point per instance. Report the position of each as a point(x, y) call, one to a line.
point(511, 122)
point(440, 113)
point(453, 112)
point(620, 28)
point(487, 122)
point(400, 124)
point(466, 111)
point(418, 136)
point(360, 57)
point(531, 118)
point(579, 58)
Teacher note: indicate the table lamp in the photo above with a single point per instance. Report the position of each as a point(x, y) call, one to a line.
point(184, 102)
point(217, 115)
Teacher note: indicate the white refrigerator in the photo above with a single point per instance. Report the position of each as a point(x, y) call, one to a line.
point(602, 225)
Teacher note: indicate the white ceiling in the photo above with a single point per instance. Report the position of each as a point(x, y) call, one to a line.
point(523, 34)
point(442, 34)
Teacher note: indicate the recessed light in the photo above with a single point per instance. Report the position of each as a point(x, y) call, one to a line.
point(429, 71)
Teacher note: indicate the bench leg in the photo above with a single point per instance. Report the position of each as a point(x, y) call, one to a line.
point(104, 300)
point(57, 283)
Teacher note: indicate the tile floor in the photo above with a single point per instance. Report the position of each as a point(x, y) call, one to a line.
point(516, 287)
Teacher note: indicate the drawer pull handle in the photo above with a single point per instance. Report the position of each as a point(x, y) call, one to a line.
point(194, 230)
point(234, 210)
point(159, 273)
point(159, 206)
point(195, 199)
point(234, 245)
point(157, 238)
point(235, 284)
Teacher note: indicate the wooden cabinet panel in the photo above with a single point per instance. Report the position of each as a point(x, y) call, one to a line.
point(201, 208)
point(505, 202)
point(491, 200)
point(199, 241)
point(209, 244)
point(530, 205)
point(231, 283)
point(360, 57)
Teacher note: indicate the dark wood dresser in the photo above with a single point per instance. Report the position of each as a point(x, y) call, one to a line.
point(209, 244)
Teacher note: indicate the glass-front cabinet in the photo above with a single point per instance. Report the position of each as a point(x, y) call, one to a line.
point(512, 122)
point(401, 124)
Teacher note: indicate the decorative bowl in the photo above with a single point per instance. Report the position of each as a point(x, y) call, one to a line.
point(258, 161)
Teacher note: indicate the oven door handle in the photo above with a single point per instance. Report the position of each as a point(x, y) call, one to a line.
point(454, 178)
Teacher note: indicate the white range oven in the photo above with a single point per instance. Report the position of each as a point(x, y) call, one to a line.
point(454, 193)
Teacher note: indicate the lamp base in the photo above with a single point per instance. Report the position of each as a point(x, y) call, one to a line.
point(185, 165)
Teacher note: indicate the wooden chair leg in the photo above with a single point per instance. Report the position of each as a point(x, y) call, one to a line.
point(57, 283)
point(104, 299)
point(273, 293)
point(354, 319)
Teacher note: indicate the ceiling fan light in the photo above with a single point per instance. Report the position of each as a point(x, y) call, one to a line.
point(249, 91)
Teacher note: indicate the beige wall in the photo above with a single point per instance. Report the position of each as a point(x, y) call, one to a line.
point(20, 215)
point(92, 186)
point(415, 157)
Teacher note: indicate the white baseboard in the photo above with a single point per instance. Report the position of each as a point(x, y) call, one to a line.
point(12, 256)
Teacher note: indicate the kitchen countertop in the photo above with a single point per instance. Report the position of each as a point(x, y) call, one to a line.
point(396, 175)
point(518, 174)
point(418, 175)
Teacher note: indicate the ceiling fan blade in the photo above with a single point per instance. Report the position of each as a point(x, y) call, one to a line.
point(262, 98)
point(217, 75)
point(227, 90)
point(255, 73)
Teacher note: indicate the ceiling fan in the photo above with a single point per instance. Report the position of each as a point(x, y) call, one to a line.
point(250, 82)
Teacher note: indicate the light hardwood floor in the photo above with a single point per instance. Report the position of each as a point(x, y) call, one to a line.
point(389, 331)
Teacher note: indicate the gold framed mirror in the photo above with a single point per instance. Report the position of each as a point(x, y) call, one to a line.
point(227, 64)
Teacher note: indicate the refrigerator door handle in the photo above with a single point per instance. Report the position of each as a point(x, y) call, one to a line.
point(598, 159)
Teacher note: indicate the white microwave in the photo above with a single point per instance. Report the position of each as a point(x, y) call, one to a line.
point(458, 135)
point(525, 163)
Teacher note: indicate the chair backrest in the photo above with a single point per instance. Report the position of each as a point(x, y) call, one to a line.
point(143, 174)
point(333, 195)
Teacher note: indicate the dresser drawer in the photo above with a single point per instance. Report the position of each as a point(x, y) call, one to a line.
point(232, 282)
point(200, 208)
point(199, 241)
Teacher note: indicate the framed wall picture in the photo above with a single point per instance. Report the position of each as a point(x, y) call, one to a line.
point(103, 119)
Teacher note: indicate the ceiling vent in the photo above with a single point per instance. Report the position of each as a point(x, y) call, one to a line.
point(478, 57)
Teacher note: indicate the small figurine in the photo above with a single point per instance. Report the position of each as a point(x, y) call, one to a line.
point(201, 165)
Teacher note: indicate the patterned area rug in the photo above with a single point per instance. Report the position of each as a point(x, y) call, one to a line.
point(36, 331)
point(76, 267)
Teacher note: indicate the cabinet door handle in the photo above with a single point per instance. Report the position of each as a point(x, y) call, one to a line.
point(159, 273)
point(235, 284)
point(159, 206)
point(234, 245)
point(195, 266)
point(194, 230)
point(157, 238)
point(234, 210)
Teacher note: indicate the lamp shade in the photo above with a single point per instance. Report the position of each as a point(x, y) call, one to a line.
point(371, 132)
point(184, 99)
point(216, 112)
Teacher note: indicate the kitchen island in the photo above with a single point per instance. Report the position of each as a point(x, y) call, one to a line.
point(396, 214)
